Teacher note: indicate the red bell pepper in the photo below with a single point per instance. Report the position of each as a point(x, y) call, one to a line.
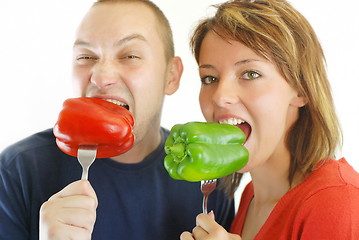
point(94, 121)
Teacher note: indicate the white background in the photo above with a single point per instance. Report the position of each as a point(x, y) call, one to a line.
point(35, 48)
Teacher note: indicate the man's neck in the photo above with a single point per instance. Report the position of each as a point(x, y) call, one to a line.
point(140, 149)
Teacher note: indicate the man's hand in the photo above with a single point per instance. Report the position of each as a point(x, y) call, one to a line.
point(208, 229)
point(70, 213)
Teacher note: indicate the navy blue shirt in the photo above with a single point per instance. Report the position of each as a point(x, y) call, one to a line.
point(136, 201)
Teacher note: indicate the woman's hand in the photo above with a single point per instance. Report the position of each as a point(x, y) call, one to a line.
point(208, 229)
point(70, 213)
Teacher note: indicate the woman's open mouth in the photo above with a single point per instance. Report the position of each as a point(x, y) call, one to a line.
point(243, 125)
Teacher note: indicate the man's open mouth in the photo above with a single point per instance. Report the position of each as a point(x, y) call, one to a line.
point(118, 103)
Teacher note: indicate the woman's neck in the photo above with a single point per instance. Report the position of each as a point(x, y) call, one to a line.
point(271, 179)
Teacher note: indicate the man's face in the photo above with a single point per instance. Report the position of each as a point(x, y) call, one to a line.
point(119, 55)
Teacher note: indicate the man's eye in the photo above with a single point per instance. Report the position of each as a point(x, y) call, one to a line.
point(208, 80)
point(250, 75)
point(85, 58)
point(132, 56)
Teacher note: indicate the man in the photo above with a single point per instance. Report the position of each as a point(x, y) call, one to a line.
point(123, 51)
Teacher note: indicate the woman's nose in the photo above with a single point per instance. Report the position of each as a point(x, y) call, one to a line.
point(104, 74)
point(226, 93)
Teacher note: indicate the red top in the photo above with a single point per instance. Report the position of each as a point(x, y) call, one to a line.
point(324, 206)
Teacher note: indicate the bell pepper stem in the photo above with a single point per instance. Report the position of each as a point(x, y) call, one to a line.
point(178, 150)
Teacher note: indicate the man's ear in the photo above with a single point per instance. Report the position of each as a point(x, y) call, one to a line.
point(175, 69)
point(299, 101)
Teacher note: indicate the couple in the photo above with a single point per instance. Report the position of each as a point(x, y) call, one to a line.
point(260, 65)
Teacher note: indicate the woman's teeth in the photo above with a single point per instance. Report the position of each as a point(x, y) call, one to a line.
point(232, 121)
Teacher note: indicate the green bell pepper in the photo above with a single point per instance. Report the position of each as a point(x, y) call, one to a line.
point(202, 150)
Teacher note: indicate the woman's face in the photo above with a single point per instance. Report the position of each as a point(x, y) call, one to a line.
point(244, 89)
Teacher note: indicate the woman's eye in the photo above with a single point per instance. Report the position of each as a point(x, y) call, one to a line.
point(208, 80)
point(250, 75)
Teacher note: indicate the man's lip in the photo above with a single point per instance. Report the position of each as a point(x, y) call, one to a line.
point(111, 97)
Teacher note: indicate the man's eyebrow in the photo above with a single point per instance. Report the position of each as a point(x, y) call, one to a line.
point(79, 42)
point(120, 42)
point(131, 37)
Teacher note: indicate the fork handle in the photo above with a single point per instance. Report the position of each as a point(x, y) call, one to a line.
point(84, 175)
point(204, 204)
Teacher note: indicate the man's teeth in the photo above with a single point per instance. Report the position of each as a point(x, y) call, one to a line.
point(116, 102)
point(232, 121)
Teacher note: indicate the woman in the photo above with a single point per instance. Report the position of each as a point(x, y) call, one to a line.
point(262, 68)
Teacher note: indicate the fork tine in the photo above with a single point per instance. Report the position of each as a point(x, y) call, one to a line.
point(207, 187)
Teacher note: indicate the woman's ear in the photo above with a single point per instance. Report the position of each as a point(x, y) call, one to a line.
point(299, 101)
point(175, 69)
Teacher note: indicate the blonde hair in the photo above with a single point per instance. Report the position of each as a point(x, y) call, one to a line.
point(165, 27)
point(276, 31)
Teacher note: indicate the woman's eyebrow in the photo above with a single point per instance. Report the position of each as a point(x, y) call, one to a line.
point(241, 62)
point(245, 61)
point(206, 66)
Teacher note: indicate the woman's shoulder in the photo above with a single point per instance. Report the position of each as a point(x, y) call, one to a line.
point(348, 173)
point(335, 184)
point(335, 173)
point(329, 202)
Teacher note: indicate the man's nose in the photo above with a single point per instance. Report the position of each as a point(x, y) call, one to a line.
point(104, 74)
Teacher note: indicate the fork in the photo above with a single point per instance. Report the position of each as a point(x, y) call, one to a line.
point(86, 155)
point(207, 187)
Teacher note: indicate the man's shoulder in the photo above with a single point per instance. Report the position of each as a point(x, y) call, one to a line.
point(35, 144)
point(165, 132)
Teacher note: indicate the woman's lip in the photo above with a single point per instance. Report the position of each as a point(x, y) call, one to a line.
point(227, 116)
point(247, 130)
point(238, 122)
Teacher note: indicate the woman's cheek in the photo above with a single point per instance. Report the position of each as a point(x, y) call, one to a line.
point(205, 106)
